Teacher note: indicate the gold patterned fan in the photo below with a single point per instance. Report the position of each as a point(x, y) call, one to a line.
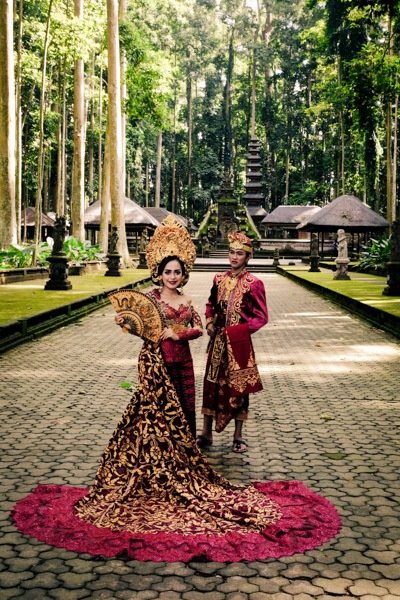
point(140, 312)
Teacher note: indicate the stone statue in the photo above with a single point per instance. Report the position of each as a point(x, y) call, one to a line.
point(314, 245)
point(60, 230)
point(314, 254)
point(112, 245)
point(342, 244)
point(58, 261)
point(144, 240)
point(342, 260)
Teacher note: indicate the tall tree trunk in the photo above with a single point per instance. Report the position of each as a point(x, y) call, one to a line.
point(253, 89)
point(287, 169)
point(395, 214)
point(389, 161)
point(173, 157)
point(228, 113)
point(115, 120)
point(78, 164)
point(158, 171)
point(90, 176)
point(268, 76)
point(61, 135)
point(391, 141)
point(100, 145)
point(8, 225)
point(147, 184)
point(189, 105)
point(18, 134)
point(105, 200)
point(173, 177)
point(342, 137)
point(46, 179)
point(40, 159)
point(124, 96)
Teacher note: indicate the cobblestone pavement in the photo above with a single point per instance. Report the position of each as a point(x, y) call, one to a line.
point(328, 415)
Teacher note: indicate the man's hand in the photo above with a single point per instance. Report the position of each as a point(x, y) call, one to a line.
point(211, 330)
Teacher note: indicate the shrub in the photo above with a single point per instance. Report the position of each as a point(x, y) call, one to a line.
point(374, 257)
point(18, 257)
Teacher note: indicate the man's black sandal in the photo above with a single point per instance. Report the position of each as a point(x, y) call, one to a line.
point(239, 446)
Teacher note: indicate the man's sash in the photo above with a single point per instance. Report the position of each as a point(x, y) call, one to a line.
point(243, 376)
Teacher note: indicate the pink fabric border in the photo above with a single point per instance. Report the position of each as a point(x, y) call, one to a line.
point(308, 520)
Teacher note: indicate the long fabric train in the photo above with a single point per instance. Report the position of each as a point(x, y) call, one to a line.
point(155, 497)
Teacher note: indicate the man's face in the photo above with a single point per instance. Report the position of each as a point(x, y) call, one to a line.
point(237, 259)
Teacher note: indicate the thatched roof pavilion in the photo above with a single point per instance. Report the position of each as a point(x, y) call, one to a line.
point(137, 219)
point(28, 218)
point(28, 224)
point(345, 212)
point(349, 213)
point(287, 217)
point(136, 216)
point(160, 213)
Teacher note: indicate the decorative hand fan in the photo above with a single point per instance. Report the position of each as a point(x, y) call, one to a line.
point(140, 312)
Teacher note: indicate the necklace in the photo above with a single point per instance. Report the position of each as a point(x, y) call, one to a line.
point(230, 282)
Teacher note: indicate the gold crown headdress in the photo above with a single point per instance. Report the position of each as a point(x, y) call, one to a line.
point(171, 238)
point(239, 241)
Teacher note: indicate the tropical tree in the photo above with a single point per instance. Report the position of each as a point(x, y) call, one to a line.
point(8, 230)
point(115, 150)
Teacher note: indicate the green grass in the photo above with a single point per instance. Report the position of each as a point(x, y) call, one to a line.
point(26, 298)
point(361, 287)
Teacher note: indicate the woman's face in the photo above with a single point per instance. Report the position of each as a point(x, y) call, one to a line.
point(172, 275)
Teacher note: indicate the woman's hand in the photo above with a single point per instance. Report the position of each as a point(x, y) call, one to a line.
point(169, 334)
point(120, 320)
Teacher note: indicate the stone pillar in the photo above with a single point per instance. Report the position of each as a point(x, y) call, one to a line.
point(58, 262)
point(393, 266)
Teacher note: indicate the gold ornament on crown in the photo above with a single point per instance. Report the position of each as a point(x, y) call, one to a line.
point(239, 241)
point(171, 238)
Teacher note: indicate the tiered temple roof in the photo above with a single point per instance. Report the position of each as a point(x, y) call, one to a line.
point(254, 197)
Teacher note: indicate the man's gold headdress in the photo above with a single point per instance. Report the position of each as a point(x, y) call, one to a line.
point(171, 238)
point(239, 241)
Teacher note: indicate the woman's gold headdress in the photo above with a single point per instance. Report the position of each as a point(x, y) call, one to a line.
point(171, 238)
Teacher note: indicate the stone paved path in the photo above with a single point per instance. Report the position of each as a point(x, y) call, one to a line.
point(328, 415)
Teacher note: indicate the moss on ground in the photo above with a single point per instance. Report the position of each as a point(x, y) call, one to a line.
point(26, 298)
point(361, 287)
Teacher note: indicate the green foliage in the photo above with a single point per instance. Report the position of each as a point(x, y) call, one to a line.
point(374, 257)
point(78, 251)
point(17, 257)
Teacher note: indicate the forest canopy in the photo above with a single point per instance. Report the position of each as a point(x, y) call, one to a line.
point(324, 74)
